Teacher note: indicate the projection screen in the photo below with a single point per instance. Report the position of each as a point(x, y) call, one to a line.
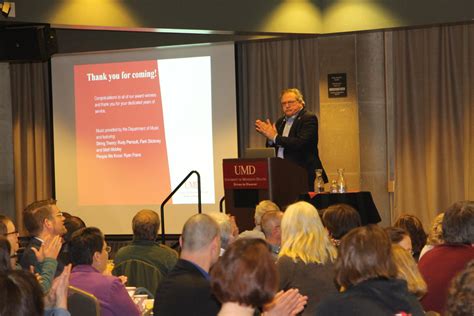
point(130, 125)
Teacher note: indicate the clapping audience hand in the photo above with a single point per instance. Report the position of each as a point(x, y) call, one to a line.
point(235, 228)
point(286, 303)
point(38, 277)
point(57, 295)
point(123, 279)
point(49, 248)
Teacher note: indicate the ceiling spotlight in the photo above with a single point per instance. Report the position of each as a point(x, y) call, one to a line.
point(6, 7)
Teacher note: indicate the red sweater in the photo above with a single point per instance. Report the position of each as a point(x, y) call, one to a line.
point(438, 267)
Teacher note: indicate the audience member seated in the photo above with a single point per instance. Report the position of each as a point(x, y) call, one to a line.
point(186, 290)
point(71, 223)
point(408, 271)
point(414, 227)
point(367, 274)
point(441, 264)
point(89, 255)
point(461, 293)
point(400, 237)
point(435, 235)
point(262, 207)
point(339, 219)
point(5, 250)
point(235, 228)
point(56, 298)
point(257, 281)
point(145, 226)
point(271, 227)
point(3, 228)
point(43, 220)
point(8, 230)
point(307, 254)
point(46, 254)
point(225, 229)
point(251, 260)
point(22, 295)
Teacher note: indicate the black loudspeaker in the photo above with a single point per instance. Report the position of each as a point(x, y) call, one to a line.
point(27, 43)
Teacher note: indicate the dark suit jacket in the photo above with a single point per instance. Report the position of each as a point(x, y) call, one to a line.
point(185, 291)
point(301, 144)
point(28, 258)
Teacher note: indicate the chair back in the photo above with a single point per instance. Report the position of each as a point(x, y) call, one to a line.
point(82, 303)
point(139, 274)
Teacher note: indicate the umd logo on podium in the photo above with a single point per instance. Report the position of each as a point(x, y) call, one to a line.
point(246, 170)
point(245, 174)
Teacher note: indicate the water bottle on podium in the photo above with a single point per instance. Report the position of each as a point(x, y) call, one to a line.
point(333, 188)
point(318, 181)
point(341, 182)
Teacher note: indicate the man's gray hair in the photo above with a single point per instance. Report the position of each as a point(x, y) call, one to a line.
point(225, 227)
point(269, 220)
point(198, 232)
point(145, 225)
point(296, 92)
point(263, 207)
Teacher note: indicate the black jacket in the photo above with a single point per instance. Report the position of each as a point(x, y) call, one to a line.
point(28, 258)
point(301, 144)
point(185, 291)
point(372, 297)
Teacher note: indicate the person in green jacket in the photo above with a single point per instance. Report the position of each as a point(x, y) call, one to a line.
point(145, 226)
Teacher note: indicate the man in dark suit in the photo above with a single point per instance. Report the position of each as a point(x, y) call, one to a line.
point(187, 290)
point(44, 221)
point(295, 135)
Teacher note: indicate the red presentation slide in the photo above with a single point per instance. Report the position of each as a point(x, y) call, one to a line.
point(120, 135)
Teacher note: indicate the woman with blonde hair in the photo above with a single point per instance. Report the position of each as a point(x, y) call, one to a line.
point(307, 255)
point(435, 235)
point(408, 271)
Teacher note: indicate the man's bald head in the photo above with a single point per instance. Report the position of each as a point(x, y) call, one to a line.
point(198, 232)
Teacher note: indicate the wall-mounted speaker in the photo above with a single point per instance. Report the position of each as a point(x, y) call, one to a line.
point(36, 43)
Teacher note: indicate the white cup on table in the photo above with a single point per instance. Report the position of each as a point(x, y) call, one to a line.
point(131, 290)
point(139, 300)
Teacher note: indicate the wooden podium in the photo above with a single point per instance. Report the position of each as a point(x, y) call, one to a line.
point(249, 181)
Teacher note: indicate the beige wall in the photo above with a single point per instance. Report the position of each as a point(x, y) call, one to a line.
point(353, 129)
point(373, 119)
point(7, 201)
point(339, 127)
